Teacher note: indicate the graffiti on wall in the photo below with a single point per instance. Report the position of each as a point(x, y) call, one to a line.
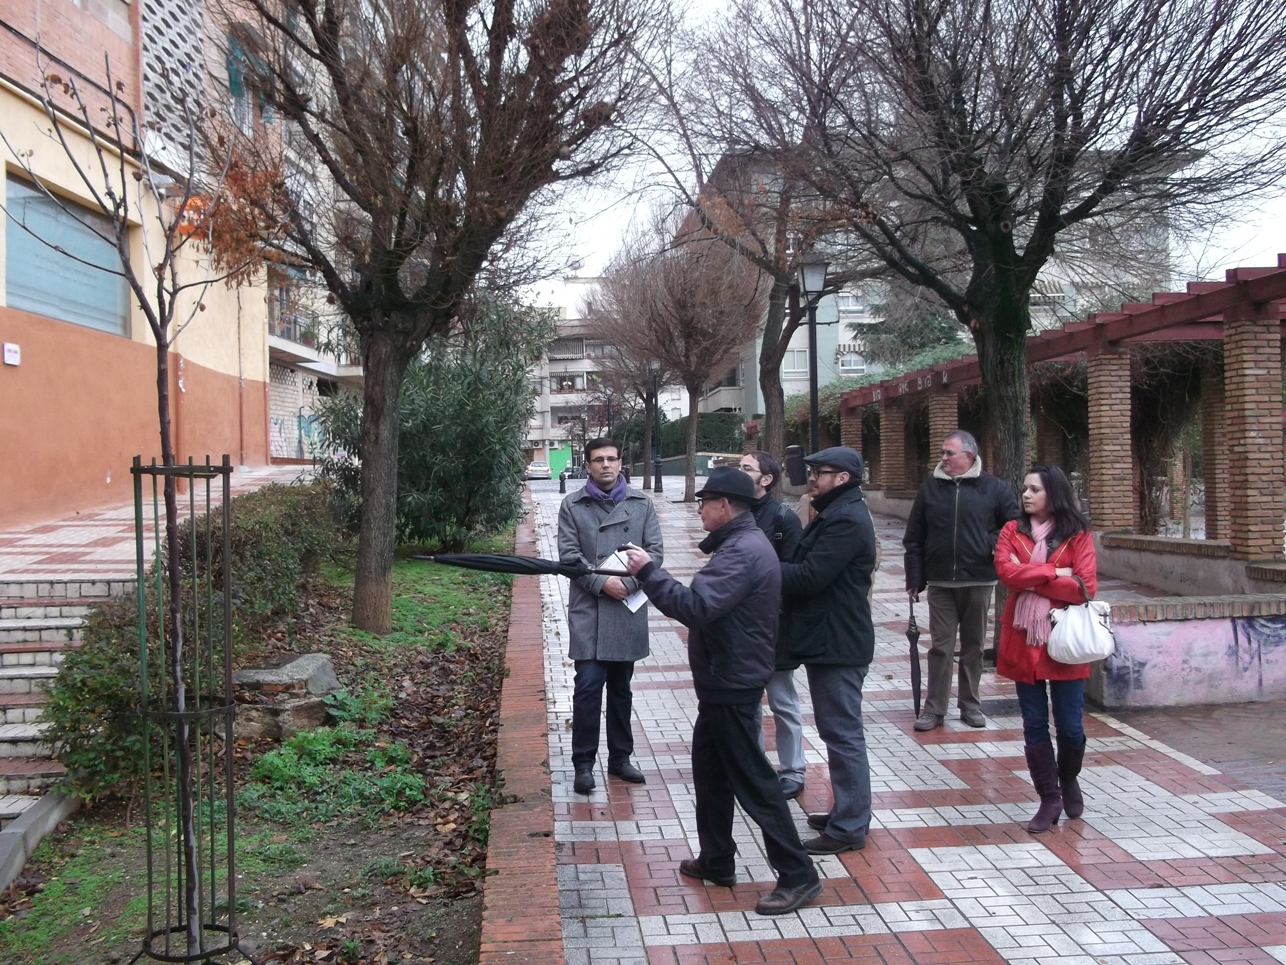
point(295, 437)
point(1184, 662)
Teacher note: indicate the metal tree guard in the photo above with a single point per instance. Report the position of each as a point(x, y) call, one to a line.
point(188, 714)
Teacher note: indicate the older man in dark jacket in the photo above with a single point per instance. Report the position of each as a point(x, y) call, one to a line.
point(731, 611)
point(826, 614)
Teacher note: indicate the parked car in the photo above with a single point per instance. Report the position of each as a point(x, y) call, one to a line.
point(537, 470)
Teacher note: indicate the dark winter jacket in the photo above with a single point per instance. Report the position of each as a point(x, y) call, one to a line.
point(730, 612)
point(951, 533)
point(779, 524)
point(826, 610)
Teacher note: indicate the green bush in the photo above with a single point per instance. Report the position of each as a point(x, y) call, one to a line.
point(716, 432)
point(94, 710)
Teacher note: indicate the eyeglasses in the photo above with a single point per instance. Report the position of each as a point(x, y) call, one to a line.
point(750, 469)
point(707, 501)
point(604, 460)
point(819, 473)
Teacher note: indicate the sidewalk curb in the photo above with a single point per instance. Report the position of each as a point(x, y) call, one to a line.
point(24, 833)
point(521, 921)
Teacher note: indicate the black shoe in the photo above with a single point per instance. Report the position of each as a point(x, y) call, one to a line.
point(825, 844)
point(584, 782)
point(791, 788)
point(627, 772)
point(692, 868)
point(784, 900)
point(819, 820)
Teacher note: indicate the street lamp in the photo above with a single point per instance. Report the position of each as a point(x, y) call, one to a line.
point(812, 282)
point(657, 486)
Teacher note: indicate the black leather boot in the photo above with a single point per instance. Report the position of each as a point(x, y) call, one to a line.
point(1069, 766)
point(1044, 774)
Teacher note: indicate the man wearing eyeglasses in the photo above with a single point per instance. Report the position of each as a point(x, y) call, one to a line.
point(826, 626)
point(950, 542)
point(783, 529)
point(731, 612)
point(606, 638)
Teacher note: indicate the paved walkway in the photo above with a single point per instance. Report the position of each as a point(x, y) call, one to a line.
point(1173, 861)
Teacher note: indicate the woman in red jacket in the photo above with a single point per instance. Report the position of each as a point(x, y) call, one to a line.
point(1038, 557)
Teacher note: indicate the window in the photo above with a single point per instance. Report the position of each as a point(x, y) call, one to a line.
point(850, 303)
point(567, 382)
point(850, 363)
point(567, 348)
point(83, 286)
point(795, 361)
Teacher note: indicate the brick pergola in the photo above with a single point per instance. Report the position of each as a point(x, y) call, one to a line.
point(1241, 407)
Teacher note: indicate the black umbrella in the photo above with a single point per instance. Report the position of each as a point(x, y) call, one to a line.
point(522, 565)
point(913, 636)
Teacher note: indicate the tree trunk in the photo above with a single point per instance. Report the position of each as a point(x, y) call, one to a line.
point(1001, 337)
point(384, 366)
point(778, 329)
point(690, 465)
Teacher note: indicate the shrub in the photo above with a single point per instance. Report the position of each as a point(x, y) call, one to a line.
point(716, 432)
point(94, 710)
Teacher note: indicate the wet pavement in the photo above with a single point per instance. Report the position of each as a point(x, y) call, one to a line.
point(1180, 856)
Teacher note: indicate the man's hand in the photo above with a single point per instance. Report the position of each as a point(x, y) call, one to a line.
point(913, 595)
point(615, 588)
point(636, 559)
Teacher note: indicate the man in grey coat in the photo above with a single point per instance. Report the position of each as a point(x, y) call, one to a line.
point(606, 637)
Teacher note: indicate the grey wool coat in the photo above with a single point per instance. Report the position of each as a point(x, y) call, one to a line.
point(602, 628)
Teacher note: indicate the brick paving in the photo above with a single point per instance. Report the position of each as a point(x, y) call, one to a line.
point(1173, 861)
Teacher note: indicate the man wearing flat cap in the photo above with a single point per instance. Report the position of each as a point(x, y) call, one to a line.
point(731, 612)
point(826, 626)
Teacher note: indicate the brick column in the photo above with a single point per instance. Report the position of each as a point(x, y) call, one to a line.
point(944, 415)
point(1253, 436)
point(850, 427)
point(871, 454)
point(1178, 486)
point(892, 447)
point(1049, 440)
point(1111, 486)
point(1214, 452)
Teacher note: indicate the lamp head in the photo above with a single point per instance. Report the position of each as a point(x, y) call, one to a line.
point(812, 274)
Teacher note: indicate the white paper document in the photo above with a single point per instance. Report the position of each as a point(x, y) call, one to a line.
point(617, 561)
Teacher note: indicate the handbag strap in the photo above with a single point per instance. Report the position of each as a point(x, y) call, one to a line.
point(1084, 589)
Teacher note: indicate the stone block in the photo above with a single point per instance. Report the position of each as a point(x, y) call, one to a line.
point(311, 673)
point(281, 718)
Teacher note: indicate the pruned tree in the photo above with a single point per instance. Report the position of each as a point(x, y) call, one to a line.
point(911, 320)
point(967, 142)
point(698, 303)
point(416, 133)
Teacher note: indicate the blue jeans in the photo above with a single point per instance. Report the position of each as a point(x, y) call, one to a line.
point(1068, 700)
point(788, 723)
point(837, 707)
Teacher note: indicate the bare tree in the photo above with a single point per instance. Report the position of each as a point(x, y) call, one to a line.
point(432, 125)
point(967, 141)
point(698, 303)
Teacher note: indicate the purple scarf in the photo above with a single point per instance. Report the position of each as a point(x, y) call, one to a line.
point(616, 495)
point(1031, 613)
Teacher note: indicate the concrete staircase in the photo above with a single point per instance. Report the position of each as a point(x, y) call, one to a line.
point(40, 621)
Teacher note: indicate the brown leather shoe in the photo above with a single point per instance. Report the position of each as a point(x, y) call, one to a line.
point(782, 900)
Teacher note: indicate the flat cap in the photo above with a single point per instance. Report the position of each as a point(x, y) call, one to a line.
point(843, 458)
point(730, 482)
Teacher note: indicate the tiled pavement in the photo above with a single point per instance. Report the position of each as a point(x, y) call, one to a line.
point(98, 544)
point(1173, 861)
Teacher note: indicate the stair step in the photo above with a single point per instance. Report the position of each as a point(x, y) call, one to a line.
point(23, 740)
point(73, 589)
point(25, 775)
point(41, 630)
point(12, 806)
point(34, 654)
point(21, 708)
point(25, 680)
point(44, 607)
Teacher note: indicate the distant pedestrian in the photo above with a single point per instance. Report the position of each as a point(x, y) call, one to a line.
point(1039, 557)
point(731, 612)
point(826, 626)
point(606, 638)
point(949, 540)
point(783, 530)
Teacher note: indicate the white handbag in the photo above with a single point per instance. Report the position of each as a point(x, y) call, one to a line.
point(1081, 633)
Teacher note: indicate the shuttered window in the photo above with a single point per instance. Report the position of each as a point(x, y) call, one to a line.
point(83, 286)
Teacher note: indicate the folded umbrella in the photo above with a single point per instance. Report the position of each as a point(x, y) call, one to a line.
point(522, 565)
point(913, 636)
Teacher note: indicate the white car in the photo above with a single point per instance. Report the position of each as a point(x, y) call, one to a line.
point(538, 470)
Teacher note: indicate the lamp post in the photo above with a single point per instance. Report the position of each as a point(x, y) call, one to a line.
point(812, 281)
point(657, 485)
